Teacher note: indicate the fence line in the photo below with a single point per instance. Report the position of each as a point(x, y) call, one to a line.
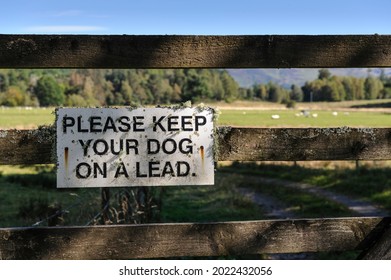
point(261, 51)
point(234, 143)
point(190, 239)
point(372, 235)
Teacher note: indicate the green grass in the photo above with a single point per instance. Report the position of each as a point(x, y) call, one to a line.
point(34, 117)
point(288, 118)
point(208, 203)
point(301, 203)
point(32, 189)
point(25, 118)
point(367, 182)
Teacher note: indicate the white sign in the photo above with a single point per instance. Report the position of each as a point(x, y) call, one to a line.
point(112, 147)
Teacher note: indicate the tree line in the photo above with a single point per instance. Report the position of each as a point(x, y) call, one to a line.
point(326, 87)
point(103, 87)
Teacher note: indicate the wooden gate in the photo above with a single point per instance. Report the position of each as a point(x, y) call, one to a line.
point(371, 235)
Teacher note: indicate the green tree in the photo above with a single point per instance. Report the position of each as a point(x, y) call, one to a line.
point(88, 92)
point(14, 97)
point(230, 87)
point(348, 85)
point(358, 88)
point(75, 100)
point(218, 88)
point(373, 88)
point(12, 77)
point(196, 88)
point(324, 74)
point(127, 92)
point(49, 92)
point(260, 91)
point(325, 93)
point(248, 93)
point(276, 93)
point(296, 93)
point(3, 82)
point(338, 91)
point(163, 88)
point(383, 77)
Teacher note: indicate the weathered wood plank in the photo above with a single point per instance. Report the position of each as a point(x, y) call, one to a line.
point(28, 146)
point(264, 51)
point(234, 143)
point(175, 240)
point(342, 143)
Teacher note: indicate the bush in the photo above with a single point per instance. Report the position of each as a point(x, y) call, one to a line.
point(291, 104)
point(38, 210)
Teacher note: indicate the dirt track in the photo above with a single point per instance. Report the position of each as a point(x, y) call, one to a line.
point(276, 209)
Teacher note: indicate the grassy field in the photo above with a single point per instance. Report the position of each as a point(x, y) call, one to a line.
point(293, 118)
point(220, 202)
point(372, 113)
point(28, 193)
point(25, 117)
point(242, 113)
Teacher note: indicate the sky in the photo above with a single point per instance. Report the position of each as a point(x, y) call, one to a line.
point(197, 17)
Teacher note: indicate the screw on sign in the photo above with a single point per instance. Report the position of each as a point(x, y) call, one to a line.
point(112, 147)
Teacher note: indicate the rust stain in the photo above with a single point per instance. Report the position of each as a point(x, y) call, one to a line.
point(202, 152)
point(66, 155)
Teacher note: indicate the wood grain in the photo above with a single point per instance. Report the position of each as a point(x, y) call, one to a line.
point(28, 146)
point(176, 240)
point(234, 144)
point(129, 51)
point(290, 144)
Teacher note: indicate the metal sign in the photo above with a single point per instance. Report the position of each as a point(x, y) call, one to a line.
point(112, 147)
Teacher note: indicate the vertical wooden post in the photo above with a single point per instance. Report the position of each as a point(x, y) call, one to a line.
point(105, 195)
point(142, 204)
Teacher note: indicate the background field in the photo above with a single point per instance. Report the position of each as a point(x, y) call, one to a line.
point(293, 118)
point(242, 113)
point(25, 117)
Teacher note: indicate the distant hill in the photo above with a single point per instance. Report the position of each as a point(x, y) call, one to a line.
point(287, 77)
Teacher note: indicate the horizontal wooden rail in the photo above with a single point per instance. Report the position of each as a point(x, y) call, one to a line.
point(234, 143)
point(264, 51)
point(28, 146)
point(295, 144)
point(175, 240)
